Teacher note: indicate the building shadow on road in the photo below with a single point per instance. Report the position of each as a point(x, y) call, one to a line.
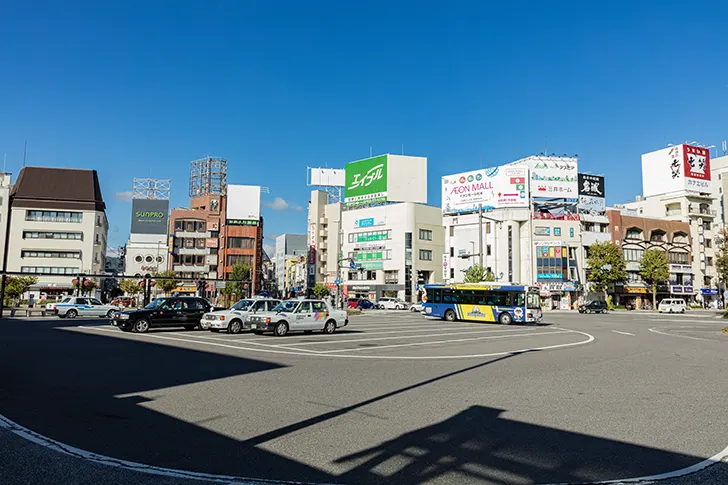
point(84, 389)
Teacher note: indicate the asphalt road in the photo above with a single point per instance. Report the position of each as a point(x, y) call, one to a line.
point(395, 398)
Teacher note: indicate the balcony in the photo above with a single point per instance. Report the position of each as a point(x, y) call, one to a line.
point(194, 234)
point(696, 210)
point(183, 268)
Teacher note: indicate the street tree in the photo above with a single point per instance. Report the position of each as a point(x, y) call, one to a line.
point(654, 270)
point(169, 284)
point(478, 274)
point(130, 287)
point(605, 266)
point(15, 286)
point(239, 277)
point(321, 291)
point(721, 261)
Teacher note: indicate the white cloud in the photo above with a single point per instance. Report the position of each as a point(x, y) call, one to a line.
point(280, 204)
point(123, 196)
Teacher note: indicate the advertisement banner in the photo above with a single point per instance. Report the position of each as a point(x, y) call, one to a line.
point(494, 188)
point(554, 177)
point(311, 270)
point(149, 216)
point(369, 222)
point(366, 181)
point(679, 167)
point(243, 203)
point(591, 193)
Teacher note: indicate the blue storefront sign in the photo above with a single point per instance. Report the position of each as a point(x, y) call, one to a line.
point(368, 222)
point(549, 276)
point(709, 291)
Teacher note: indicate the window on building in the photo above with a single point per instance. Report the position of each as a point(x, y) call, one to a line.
point(200, 243)
point(50, 269)
point(680, 237)
point(452, 231)
point(708, 243)
point(50, 254)
point(233, 259)
point(179, 225)
point(189, 243)
point(370, 236)
point(53, 216)
point(557, 231)
point(199, 260)
point(391, 276)
point(487, 227)
point(571, 232)
point(677, 257)
point(634, 233)
point(706, 225)
point(452, 252)
point(589, 226)
point(633, 277)
point(189, 226)
point(425, 255)
point(657, 236)
point(487, 250)
point(709, 261)
point(425, 235)
point(201, 226)
point(633, 254)
point(98, 238)
point(452, 272)
point(408, 240)
point(52, 235)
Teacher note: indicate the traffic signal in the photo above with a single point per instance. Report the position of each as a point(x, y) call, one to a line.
point(201, 284)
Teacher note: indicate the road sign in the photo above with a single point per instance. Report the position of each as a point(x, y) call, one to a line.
point(352, 264)
point(337, 282)
point(417, 287)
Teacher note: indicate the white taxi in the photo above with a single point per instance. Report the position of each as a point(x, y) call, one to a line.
point(233, 318)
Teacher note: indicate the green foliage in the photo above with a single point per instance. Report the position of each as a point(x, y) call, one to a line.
point(130, 287)
point(606, 265)
point(654, 270)
point(15, 286)
point(321, 291)
point(239, 276)
point(477, 274)
point(721, 260)
point(169, 284)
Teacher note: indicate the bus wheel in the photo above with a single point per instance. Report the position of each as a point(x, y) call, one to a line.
point(505, 318)
point(450, 316)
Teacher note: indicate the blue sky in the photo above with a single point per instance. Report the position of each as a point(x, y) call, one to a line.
point(140, 87)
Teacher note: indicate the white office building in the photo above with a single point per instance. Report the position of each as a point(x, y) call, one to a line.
point(391, 250)
point(58, 227)
point(5, 187)
point(147, 251)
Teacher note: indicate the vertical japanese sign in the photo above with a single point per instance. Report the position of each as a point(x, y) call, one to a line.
point(591, 193)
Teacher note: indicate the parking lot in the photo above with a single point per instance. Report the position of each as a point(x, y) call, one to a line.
point(394, 397)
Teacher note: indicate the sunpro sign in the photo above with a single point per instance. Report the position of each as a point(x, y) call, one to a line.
point(149, 216)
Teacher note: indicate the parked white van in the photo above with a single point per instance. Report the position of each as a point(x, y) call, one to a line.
point(672, 305)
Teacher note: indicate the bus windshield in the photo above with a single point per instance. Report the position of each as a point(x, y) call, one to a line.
point(534, 301)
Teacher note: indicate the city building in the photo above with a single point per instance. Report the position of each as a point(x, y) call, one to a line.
point(635, 235)
point(287, 246)
point(242, 234)
point(719, 175)
point(677, 185)
point(147, 251)
point(391, 250)
point(325, 236)
point(295, 276)
point(269, 275)
point(58, 227)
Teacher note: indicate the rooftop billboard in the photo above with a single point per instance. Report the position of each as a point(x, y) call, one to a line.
point(386, 178)
point(680, 167)
point(243, 204)
point(494, 188)
point(149, 216)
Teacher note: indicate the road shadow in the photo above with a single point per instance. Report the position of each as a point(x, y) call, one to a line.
point(83, 389)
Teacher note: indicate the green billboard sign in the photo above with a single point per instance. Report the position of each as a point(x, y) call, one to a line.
point(366, 181)
point(372, 265)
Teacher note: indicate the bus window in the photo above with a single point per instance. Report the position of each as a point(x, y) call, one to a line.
point(436, 295)
point(534, 301)
point(519, 298)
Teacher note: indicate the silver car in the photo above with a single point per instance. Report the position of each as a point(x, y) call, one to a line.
point(82, 306)
point(233, 318)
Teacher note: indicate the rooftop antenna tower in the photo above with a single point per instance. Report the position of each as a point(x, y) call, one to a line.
point(149, 188)
point(208, 176)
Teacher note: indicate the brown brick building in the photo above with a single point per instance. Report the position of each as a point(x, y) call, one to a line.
point(205, 245)
point(635, 235)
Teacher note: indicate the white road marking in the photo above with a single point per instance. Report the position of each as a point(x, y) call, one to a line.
point(623, 333)
point(256, 343)
point(413, 344)
point(400, 337)
point(590, 338)
point(653, 330)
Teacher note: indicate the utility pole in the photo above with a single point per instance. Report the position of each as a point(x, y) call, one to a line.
point(480, 234)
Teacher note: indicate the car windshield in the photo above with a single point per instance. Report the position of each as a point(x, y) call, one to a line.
point(242, 305)
point(155, 304)
point(286, 306)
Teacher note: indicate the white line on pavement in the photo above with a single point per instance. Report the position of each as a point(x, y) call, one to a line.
point(248, 342)
point(653, 330)
point(436, 342)
point(400, 337)
point(623, 333)
point(589, 339)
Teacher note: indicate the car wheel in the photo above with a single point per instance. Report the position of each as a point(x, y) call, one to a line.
point(682, 311)
point(505, 318)
point(235, 326)
point(330, 327)
point(141, 326)
point(61, 316)
point(280, 329)
point(110, 314)
point(450, 316)
point(413, 310)
point(71, 313)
